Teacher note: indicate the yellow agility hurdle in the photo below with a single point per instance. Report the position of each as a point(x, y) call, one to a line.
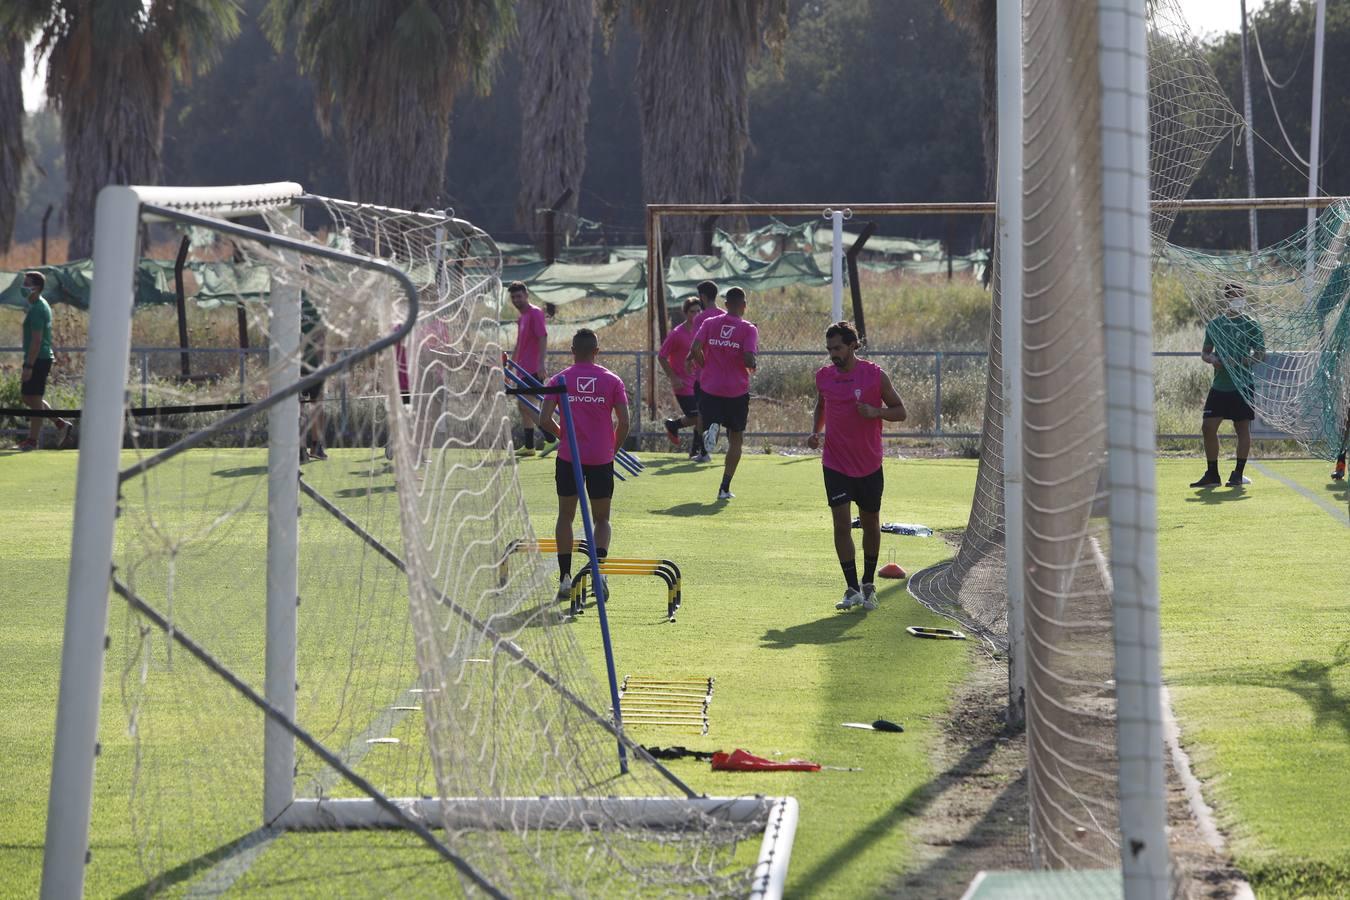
point(664, 569)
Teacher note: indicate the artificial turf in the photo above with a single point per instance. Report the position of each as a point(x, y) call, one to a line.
point(1255, 651)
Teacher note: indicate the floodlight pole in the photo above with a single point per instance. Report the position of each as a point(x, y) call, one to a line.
point(1009, 64)
point(1251, 136)
point(70, 800)
point(283, 547)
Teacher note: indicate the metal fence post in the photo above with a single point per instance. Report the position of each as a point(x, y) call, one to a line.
point(637, 364)
point(145, 378)
point(937, 392)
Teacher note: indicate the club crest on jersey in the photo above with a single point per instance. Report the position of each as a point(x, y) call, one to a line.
point(586, 385)
point(727, 330)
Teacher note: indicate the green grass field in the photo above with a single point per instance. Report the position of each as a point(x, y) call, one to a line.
point(1255, 649)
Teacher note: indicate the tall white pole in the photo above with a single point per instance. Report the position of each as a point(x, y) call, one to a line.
point(836, 264)
point(1010, 291)
point(70, 801)
point(283, 548)
point(1251, 136)
point(1122, 39)
point(1315, 140)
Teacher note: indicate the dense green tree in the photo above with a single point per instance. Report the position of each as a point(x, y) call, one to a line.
point(1285, 30)
point(111, 69)
point(389, 73)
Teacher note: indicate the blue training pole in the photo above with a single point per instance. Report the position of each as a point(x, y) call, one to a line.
point(600, 587)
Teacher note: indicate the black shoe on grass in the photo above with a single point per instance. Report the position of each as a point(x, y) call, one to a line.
point(1210, 479)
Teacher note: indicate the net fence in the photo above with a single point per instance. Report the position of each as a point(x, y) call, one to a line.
point(436, 693)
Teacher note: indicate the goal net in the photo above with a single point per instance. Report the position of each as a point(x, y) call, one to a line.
point(334, 663)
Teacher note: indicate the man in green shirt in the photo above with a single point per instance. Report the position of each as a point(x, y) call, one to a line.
point(37, 359)
point(1237, 338)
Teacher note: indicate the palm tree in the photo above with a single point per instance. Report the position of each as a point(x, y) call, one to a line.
point(12, 151)
point(555, 99)
point(693, 94)
point(111, 69)
point(388, 71)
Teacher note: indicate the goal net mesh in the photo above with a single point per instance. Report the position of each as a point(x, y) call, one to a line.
point(431, 665)
point(1070, 702)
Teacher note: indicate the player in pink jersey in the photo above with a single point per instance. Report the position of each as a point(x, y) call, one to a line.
point(707, 299)
point(853, 397)
point(599, 405)
point(531, 345)
point(673, 357)
point(725, 347)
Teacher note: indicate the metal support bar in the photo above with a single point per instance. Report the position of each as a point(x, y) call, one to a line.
point(180, 300)
point(854, 283)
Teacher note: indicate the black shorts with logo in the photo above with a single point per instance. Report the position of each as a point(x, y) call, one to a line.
point(730, 412)
point(1228, 405)
point(599, 480)
point(865, 491)
point(688, 404)
point(36, 385)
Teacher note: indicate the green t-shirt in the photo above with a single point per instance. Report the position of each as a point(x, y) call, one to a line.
point(1235, 338)
point(39, 318)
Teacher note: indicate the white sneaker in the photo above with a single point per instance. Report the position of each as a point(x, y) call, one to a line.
point(725, 495)
point(710, 437)
point(851, 599)
point(869, 596)
point(564, 588)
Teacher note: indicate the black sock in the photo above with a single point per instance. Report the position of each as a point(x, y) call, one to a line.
point(564, 564)
point(698, 441)
point(850, 574)
point(1241, 464)
point(601, 552)
point(726, 485)
point(545, 437)
point(869, 569)
point(529, 438)
point(1213, 468)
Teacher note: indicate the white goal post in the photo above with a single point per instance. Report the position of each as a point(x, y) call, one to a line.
point(420, 353)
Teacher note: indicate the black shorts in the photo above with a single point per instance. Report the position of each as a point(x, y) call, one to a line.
point(599, 480)
point(312, 394)
point(1228, 405)
point(688, 404)
point(36, 385)
point(865, 491)
point(730, 412)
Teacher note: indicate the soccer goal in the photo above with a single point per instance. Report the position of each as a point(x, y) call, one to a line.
point(303, 650)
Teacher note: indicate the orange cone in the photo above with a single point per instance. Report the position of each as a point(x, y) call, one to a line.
point(892, 570)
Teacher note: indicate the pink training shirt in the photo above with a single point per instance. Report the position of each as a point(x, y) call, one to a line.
point(711, 312)
point(726, 339)
point(674, 351)
point(593, 393)
point(852, 443)
point(531, 329)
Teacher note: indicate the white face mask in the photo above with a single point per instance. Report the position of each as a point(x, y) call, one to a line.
point(1237, 305)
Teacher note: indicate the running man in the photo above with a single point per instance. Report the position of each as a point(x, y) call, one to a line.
point(673, 357)
point(853, 397)
point(598, 402)
point(725, 347)
point(1244, 343)
point(531, 347)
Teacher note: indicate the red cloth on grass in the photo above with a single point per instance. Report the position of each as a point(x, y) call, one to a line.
point(744, 761)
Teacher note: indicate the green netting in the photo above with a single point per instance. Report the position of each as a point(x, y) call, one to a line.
point(1280, 320)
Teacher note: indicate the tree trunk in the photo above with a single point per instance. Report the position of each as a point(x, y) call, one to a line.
point(979, 19)
point(694, 106)
point(555, 54)
point(397, 138)
point(112, 100)
point(12, 151)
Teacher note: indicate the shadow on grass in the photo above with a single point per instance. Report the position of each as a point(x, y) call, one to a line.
point(348, 493)
point(240, 472)
point(1011, 802)
point(831, 629)
point(191, 869)
point(684, 510)
point(1308, 679)
point(1213, 497)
